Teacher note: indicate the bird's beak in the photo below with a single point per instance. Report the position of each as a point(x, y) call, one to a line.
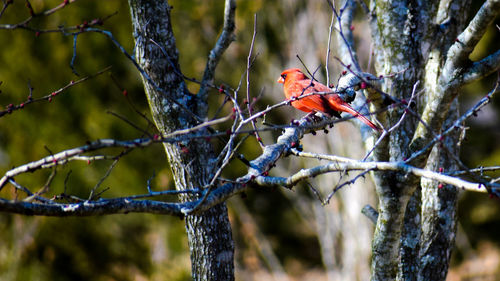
point(281, 80)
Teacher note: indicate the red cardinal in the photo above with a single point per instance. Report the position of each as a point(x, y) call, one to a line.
point(297, 84)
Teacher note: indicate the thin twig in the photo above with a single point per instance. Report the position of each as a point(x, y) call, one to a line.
point(249, 63)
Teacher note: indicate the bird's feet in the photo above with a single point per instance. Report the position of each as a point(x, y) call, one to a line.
point(311, 116)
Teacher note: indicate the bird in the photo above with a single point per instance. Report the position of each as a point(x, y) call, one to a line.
point(296, 83)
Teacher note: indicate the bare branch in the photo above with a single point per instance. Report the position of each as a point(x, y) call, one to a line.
point(258, 168)
point(24, 23)
point(249, 64)
point(145, 76)
point(101, 180)
point(376, 166)
point(31, 196)
point(482, 68)
point(464, 44)
point(257, 172)
point(370, 213)
point(67, 155)
point(327, 59)
point(12, 107)
point(345, 37)
point(75, 153)
point(227, 36)
point(482, 103)
point(102, 207)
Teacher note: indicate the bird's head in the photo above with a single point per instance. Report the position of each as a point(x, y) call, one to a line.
point(291, 74)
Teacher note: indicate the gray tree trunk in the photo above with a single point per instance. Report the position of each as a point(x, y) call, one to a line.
point(415, 231)
point(173, 107)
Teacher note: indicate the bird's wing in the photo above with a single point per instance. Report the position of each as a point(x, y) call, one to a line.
point(318, 103)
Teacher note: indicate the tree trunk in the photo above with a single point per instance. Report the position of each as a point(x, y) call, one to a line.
point(396, 51)
point(173, 107)
point(439, 211)
point(412, 39)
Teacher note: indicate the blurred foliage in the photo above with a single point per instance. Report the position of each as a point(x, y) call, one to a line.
point(142, 246)
point(121, 247)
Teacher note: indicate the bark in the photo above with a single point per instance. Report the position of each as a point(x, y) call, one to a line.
point(421, 42)
point(396, 51)
point(174, 108)
point(439, 205)
point(410, 239)
point(439, 211)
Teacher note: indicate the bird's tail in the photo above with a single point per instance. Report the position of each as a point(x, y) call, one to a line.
point(358, 115)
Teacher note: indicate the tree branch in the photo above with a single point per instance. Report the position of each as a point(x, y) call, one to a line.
point(345, 38)
point(49, 97)
point(370, 213)
point(482, 68)
point(256, 172)
point(464, 44)
point(354, 165)
point(67, 155)
point(86, 208)
point(472, 111)
point(451, 77)
point(75, 153)
point(226, 37)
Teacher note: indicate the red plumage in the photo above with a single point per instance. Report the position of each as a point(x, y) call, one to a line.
point(295, 84)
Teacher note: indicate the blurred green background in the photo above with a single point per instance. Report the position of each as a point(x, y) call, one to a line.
point(150, 247)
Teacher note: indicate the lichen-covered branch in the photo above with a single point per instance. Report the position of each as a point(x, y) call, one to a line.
point(451, 77)
point(465, 42)
point(439, 213)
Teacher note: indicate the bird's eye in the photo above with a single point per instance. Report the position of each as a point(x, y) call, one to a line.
point(283, 76)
